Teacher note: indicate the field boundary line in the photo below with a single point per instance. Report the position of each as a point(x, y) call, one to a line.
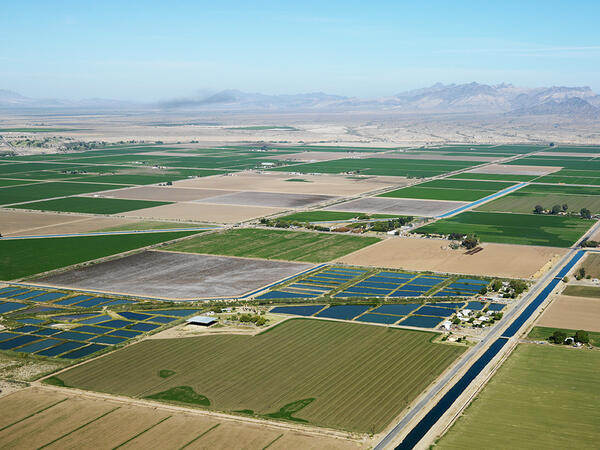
point(79, 428)
point(272, 442)
point(199, 436)
point(135, 436)
point(33, 414)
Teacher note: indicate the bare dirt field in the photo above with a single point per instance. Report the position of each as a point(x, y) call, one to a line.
point(381, 205)
point(502, 260)
point(270, 199)
point(162, 194)
point(572, 155)
point(575, 313)
point(23, 223)
point(596, 236)
point(515, 170)
point(44, 417)
point(195, 212)
point(276, 182)
point(176, 275)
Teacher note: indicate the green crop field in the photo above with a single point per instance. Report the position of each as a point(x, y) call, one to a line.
point(340, 375)
point(275, 244)
point(5, 183)
point(323, 216)
point(91, 205)
point(524, 202)
point(526, 229)
point(558, 161)
point(491, 186)
point(40, 191)
point(542, 397)
point(413, 168)
point(151, 225)
point(543, 333)
point(493, 177)
point(582, 291)
point(24, 257)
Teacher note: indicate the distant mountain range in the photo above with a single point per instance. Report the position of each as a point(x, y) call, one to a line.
point(579, 102)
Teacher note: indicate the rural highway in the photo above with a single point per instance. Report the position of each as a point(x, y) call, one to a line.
point(472, 355)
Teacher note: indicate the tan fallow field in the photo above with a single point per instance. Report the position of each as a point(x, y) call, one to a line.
point(24, 223)
point(276, 182)
point(45, 417)
point(575, 313)
point(162, 194)
point(196, 212)
point(317, 156)
point(501, 260)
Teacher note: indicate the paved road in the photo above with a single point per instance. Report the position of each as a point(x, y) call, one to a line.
point(485, 343)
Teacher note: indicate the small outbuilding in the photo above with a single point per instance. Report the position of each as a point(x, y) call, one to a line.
point(204, 321)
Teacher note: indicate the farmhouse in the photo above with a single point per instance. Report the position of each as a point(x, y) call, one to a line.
point(203, 321)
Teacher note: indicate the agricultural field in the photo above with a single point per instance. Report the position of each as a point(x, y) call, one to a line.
point(582, 291)
point(591, 265)
point(397, 206)
point(495, 260)
point(26, 257)
point(275, 244)
point(579, 313)
point(172, 275)
point(40, 191)
point(410, 168)
point(42, 417)
point(313, 367)
point(456, 190)
point(525, 229)
point(90, 205)
point(518, 406)
point(492, 177)
point(539, 333)
point(525, 199)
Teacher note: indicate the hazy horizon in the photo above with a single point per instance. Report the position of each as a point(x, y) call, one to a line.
point(150, 51)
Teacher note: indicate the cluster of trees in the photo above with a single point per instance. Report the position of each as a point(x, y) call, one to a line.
point(379, 226)
point(539, 209)
point(591, 244)
point(468, 241)
point(585, 213)
point(560, 337)
point(256, 319)
point(278, 223)
point(581, 274)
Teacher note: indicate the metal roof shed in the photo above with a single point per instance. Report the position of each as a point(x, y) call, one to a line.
point(204, 321)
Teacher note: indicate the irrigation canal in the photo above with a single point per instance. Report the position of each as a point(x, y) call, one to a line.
point(430, 419)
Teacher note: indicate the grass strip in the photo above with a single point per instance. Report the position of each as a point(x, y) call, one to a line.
point(199, 436)
point(141, 432)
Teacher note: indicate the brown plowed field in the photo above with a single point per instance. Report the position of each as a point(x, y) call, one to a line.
point(270, 199)
point(163, 194)
point(276, 182)
point(196, 212)
point(501, 260)
point(80, 421)
point(574, 313)
point(406, 206)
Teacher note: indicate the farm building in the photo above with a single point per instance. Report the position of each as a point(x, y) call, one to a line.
point(204, 321)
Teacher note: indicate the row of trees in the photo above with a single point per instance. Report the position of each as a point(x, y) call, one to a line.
point(560, 337)
point(468, 241)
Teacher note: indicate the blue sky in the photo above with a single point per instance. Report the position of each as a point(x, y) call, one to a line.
point(155, 50)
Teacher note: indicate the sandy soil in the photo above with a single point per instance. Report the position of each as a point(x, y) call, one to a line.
point(515, 170)
point(176, 275)
point(270, 199)
point(405, 206)
point(318, 156)
point(596, 236)
point(194, 212)
point(572, 155)
point(162, 194)
point(275, 182)
point(81, 224)
point(575, 313)
point(18, 221)
point(101, 421)
point(502, 260)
